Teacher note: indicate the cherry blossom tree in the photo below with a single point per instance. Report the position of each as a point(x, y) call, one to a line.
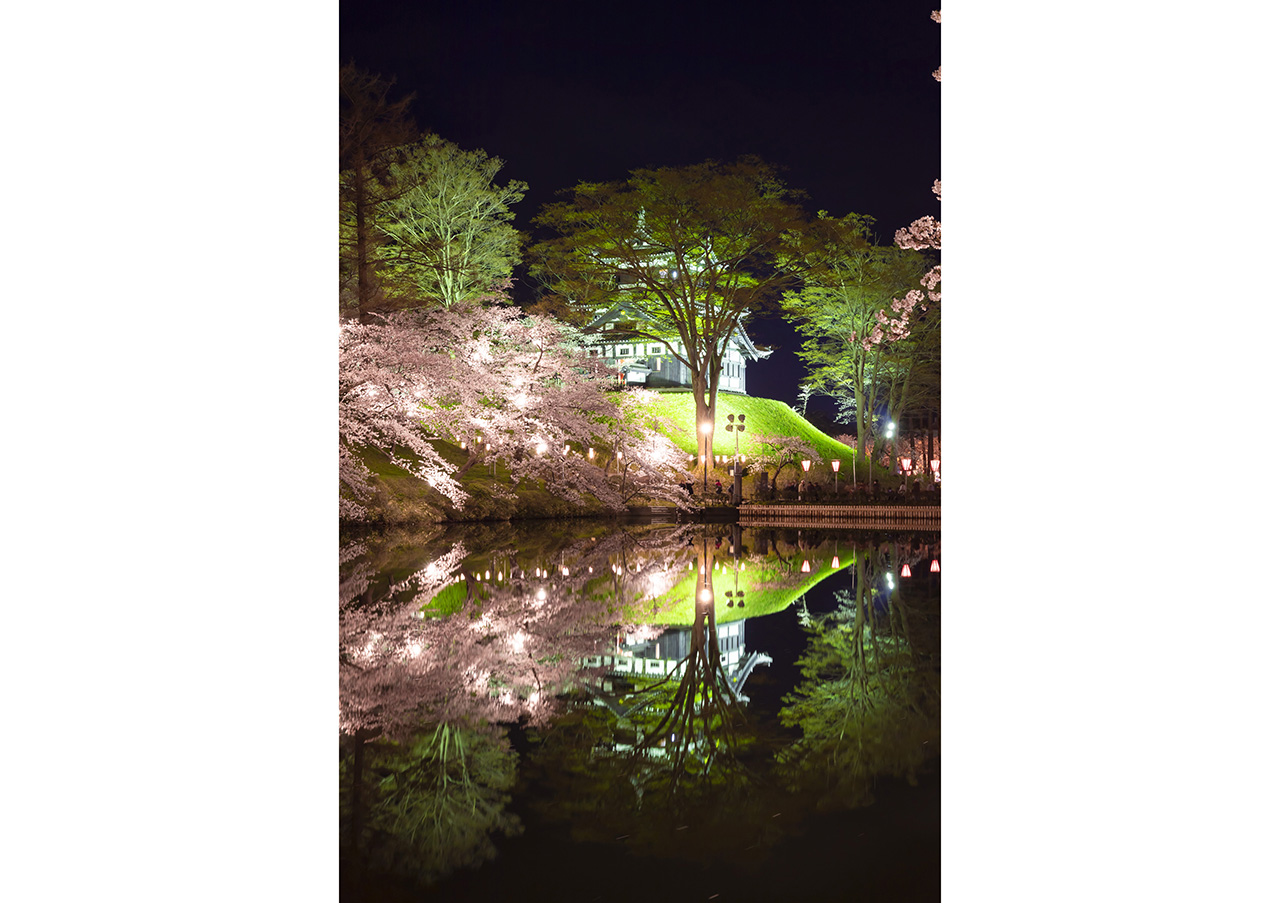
point(777, 453)
point(522, 384)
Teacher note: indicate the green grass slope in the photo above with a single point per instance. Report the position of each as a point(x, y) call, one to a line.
point(672, 414)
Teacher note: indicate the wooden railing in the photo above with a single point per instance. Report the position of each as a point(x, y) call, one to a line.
point(928, 517)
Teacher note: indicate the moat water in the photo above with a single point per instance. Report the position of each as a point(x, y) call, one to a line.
point(580, 710)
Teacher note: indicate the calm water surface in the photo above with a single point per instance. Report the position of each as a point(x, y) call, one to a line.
point(593, 711)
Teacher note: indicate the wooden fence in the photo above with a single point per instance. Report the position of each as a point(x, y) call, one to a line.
point(920, 517)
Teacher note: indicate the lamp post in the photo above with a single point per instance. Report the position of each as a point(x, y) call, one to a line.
point(805, 465)
point(706, 438)
point(835, 469)
point(888, 434)
point(737, 466)
point(906, 469)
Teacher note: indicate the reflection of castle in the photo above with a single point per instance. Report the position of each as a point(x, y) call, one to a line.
point(657, 658)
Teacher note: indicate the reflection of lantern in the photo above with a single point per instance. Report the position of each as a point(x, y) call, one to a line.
point(906, 570)
point(804, 568)
point(935, 568)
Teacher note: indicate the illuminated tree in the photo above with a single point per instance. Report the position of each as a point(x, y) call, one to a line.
point(689, 249)
point(449, 233)
point(523, 383)
point(371, 129)
point(864, 346)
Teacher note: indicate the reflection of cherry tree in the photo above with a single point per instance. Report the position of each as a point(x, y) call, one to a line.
point(427, 772)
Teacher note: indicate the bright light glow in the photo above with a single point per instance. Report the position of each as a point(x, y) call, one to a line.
point(906, 464)
point(804, 568)
point(518, 640)
point(806, 465)
point(486, 575)
point(542, 448)
point(542, 595)
point(566, 449)
point(835, 466)
point(835, 562)
point(521, 400)
point(935, 464)
point(564, 571)
point(906, 570)
point(591, 454)
point(705, 595)
point(706, 428)
point(935, 568)
point(619, 456)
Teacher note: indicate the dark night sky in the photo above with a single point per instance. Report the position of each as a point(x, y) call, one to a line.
point(840, 96)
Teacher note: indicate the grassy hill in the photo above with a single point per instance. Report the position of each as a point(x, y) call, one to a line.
point(672, 414)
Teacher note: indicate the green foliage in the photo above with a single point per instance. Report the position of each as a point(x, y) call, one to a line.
point(689, 249)
point(433, 806)
point(449, 232)
point(847, 294)
point(868, 704)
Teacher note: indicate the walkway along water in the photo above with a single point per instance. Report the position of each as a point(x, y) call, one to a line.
point(918, 517)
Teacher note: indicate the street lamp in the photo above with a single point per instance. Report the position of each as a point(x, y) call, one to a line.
point(737, 466)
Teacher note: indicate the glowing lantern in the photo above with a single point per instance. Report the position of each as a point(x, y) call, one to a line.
point(906, 570)
point(835, 562)
point(935, 568)
point(804, 568)
point(805, 465)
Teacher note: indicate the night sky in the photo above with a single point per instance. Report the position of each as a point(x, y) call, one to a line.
point(840, 96)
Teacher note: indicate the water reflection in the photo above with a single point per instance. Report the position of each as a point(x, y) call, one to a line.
point(618, 659)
